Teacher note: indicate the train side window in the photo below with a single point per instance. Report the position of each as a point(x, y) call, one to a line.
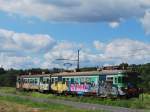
point(26, 81)
point(19, 80)
point(31, 81)
point(56, 79)
point(35, 81)
point(41, 79)
point(72, 80)
point(110, 79)
point(44, 80)
point(23, 80)
point(64, 80)
point(48, 81)
point(52, 80)
point(115, 80)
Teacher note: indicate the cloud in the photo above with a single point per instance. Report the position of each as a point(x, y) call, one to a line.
point(77, 10)
point(98, 45)
point(114, 24)
point(109, 11)
point(23, 42)
point(61, 50)
point(22, 50)
point(145, 22)
point(131, 51)
point(19, 50)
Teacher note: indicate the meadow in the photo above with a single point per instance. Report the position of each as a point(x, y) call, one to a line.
point(17, 104)
point(143, 102)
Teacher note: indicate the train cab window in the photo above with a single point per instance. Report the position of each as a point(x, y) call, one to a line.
point(124, 79)
point(119, 80)
point(18, 80)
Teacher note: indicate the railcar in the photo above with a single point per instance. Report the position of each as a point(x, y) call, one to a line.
point(105, 83)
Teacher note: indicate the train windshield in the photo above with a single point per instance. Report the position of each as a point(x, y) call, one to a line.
point(124, 79)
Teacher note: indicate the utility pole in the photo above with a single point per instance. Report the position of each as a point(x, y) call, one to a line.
point(78, 60)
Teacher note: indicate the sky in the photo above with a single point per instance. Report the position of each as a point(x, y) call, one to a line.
point(35, 33)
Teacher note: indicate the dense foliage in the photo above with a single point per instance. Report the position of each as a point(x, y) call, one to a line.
point(8, 77)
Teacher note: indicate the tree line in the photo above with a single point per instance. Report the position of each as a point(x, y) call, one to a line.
point(8, 77)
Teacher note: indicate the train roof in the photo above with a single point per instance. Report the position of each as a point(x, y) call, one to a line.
point(37, 75)
point(88, 73)
point(103, 72)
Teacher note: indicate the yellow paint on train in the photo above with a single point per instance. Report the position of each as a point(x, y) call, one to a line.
point(59, 87)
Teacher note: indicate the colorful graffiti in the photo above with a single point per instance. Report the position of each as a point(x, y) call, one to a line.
point(84, 85)
point(78, 87)
point(59, 87)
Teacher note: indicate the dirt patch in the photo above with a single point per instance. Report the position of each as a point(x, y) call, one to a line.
point(9, 107)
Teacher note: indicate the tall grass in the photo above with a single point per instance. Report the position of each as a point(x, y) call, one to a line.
point(51, 107)
point(143, 102)
point(137, 103)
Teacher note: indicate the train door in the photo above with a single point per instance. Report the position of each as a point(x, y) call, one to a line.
point(101, 82)
point(19, 83)
point(41, 84)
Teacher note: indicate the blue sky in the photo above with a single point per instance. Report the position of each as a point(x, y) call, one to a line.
point(34, 33)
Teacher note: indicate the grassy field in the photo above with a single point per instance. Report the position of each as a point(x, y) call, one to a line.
point(13, 104)
point(16, 104)
point(6, 106)
point(138, 103)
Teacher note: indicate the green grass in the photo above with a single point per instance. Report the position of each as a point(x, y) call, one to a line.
point(8, 90)
point(137, 103)
point(45, 106)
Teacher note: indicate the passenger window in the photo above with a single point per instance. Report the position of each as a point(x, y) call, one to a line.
point(35, 81)
point(52, 80)
point(72, 80)
point(48, 81)
point(56, 79)
point(64, 80)
point(110, 79)
point(115, 80)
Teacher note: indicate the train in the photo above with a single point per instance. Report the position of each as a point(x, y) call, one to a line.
point(103, 83)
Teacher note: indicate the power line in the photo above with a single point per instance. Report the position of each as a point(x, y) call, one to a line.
point(77, 60)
